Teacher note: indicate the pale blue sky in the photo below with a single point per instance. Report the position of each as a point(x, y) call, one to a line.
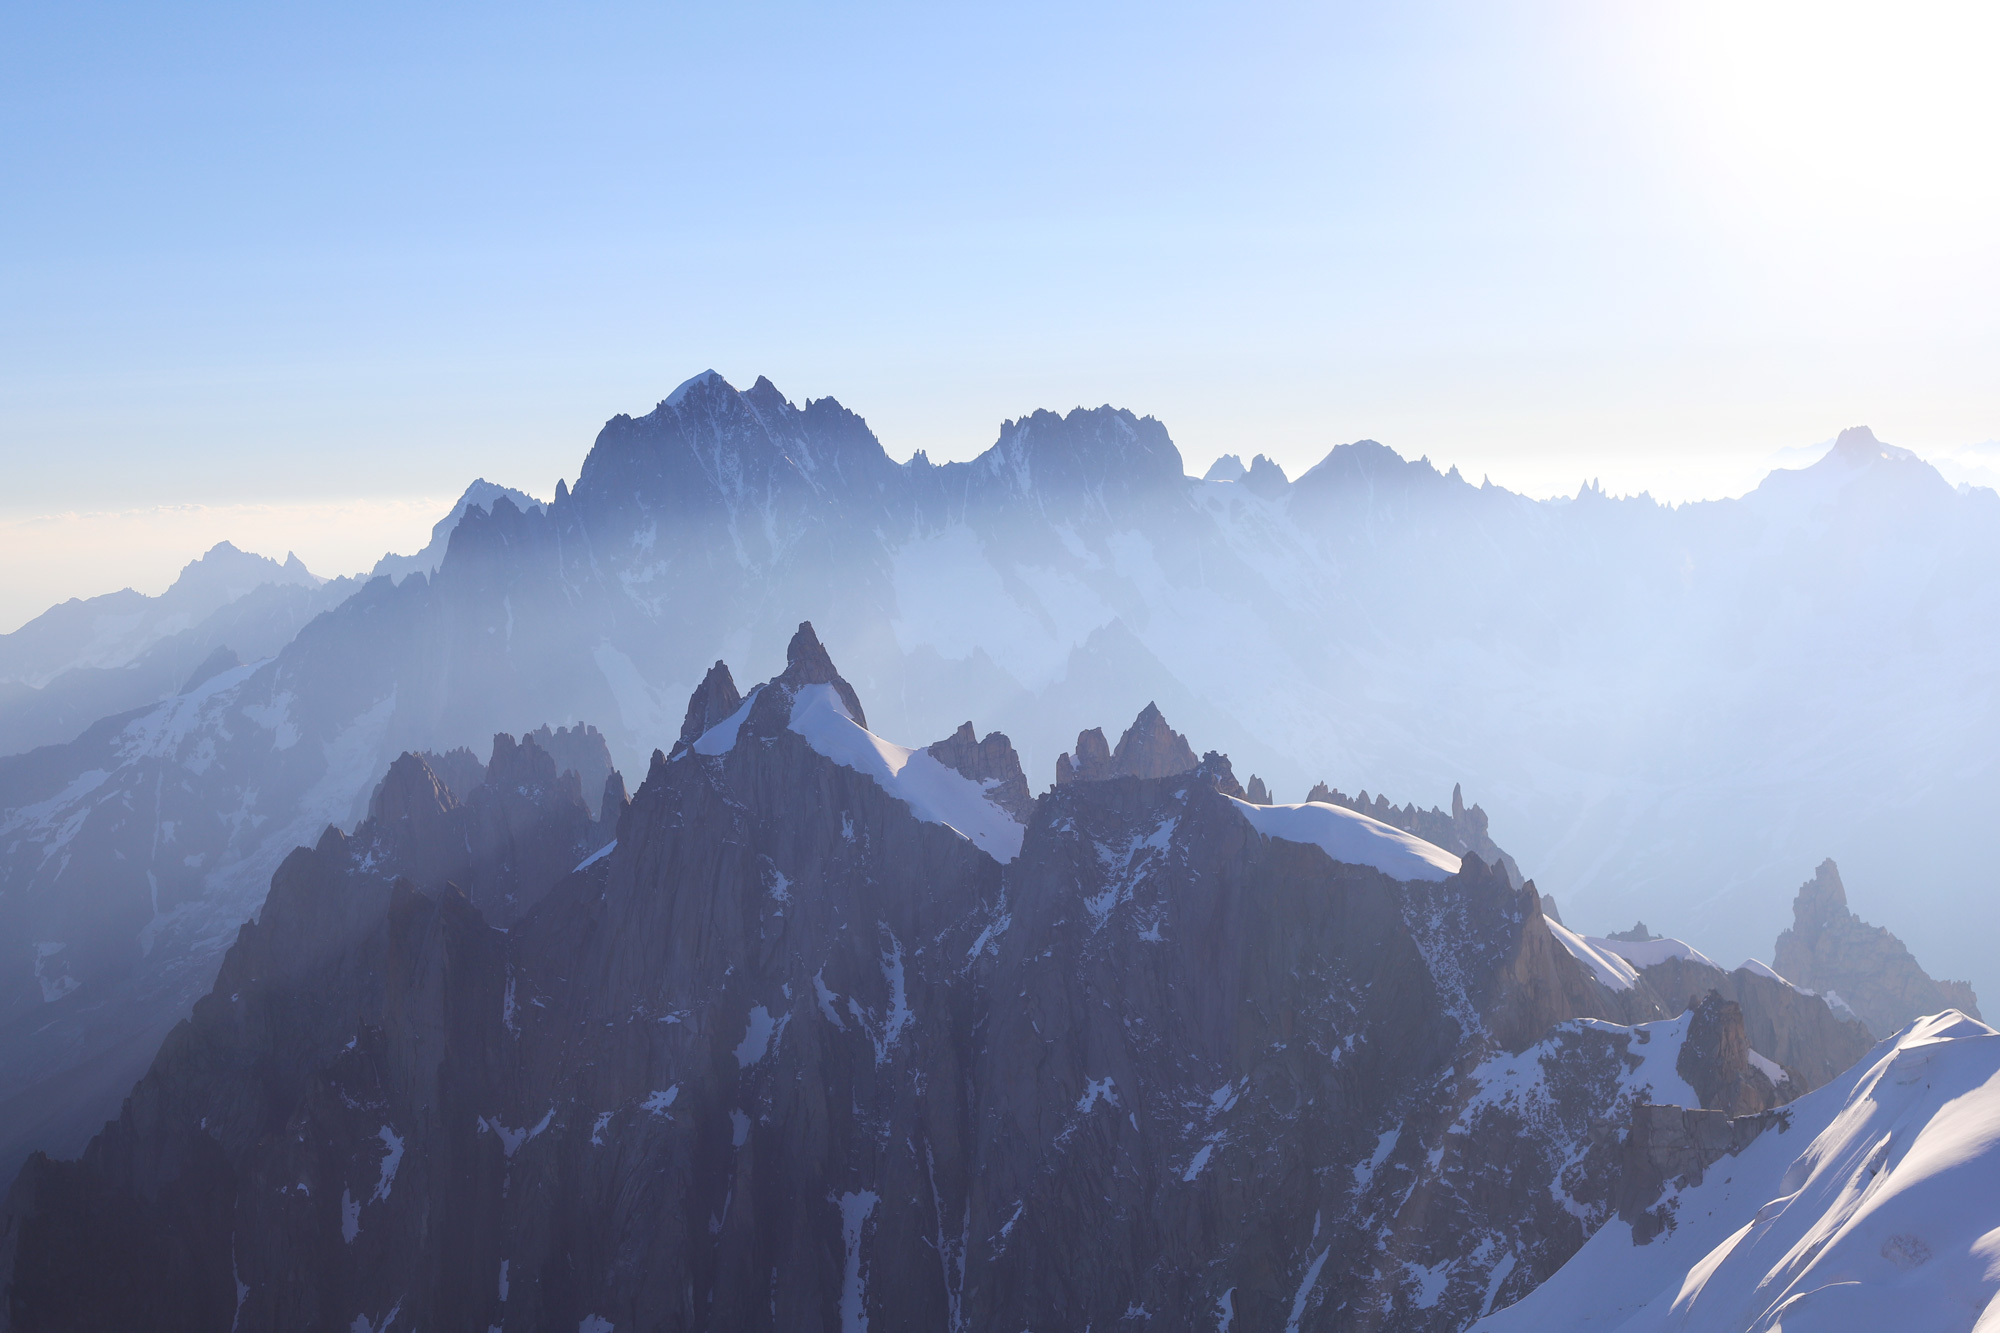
point(295, 261)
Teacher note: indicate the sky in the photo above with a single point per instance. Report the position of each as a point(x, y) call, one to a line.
point(294, 275)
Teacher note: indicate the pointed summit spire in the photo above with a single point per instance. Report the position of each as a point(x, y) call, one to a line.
point(712, 701)
point(807, 663)
point(1152, 749)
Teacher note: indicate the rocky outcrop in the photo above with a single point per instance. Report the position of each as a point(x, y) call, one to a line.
point(1715, 1060)
point(1807, 1038)
point(1148, 749)
point(500, 843)
point(459, 769)
point(580, 750)
point(1255, 792)
point(1831, 950)
point(990, 762)
point(1674, 1145)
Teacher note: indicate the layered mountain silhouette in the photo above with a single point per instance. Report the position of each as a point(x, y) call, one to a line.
point(1666, 709)
point(822, 1031)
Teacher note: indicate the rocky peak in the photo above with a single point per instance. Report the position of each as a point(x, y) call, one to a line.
point(1226, 468)
point(1857, 446)
point(1715, 1060)
point(1091, 761)
point(1090, 456)
point(807, 663)
point(1829, 949)
point(990, 762)
point(1152, 749)
point(410, 795)
point(1148, 749)
point(1256, 793)
point(223, 659)
point(459, 769)
point(1265, 478)
point(614, 800)
point(521, 764)
point(580, 749)
point(712, 701)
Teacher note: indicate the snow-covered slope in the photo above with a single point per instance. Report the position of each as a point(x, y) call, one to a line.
point(934, 793)
point(1353, 838)
point(1878, 1207)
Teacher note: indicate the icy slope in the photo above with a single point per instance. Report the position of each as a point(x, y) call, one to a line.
point(933, 792)
point(1878, 1208)
point(1351, 838)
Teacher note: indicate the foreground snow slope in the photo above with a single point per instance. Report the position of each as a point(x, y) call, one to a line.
point(1878, 1207)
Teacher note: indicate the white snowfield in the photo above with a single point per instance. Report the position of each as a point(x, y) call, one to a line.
point(1605, 963)
point(1644, 954)
point(1879, 1208)
point(935, 794)
point(1352, 838)
point(1617, 963)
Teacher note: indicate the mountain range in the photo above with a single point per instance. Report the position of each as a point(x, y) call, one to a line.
point(1671, 712)
point(817, 1030)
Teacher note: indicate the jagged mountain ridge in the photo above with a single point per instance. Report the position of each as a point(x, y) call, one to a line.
point(1367, 618)
point(1830, 949)
point(792, 1052)
point(86, 659)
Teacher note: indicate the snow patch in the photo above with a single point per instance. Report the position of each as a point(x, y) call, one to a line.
point(1094, 1091)
point(512, 1139)
point(1305, 1290)
point(1610, 969)
point(934, 793)
point(1644, 954)
point(721, 738)
point(756, 1043)
point(597, 855)
point(1351, 838)
point(392, 1158)
point(854, 1212)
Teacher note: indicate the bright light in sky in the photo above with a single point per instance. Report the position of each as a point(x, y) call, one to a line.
point(300, 259)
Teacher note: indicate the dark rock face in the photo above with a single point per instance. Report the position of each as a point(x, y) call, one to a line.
point(1830, 949)
point(990, 762)
point(580, 750)
point(1811, 1042)
point(1715, 1060)
point(503, 843)
point(458, 769)
point(713, 700)
point(1669, 1145)
point(788, 1056)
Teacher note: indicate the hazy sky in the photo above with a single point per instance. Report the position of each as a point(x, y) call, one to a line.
point(293, 275)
